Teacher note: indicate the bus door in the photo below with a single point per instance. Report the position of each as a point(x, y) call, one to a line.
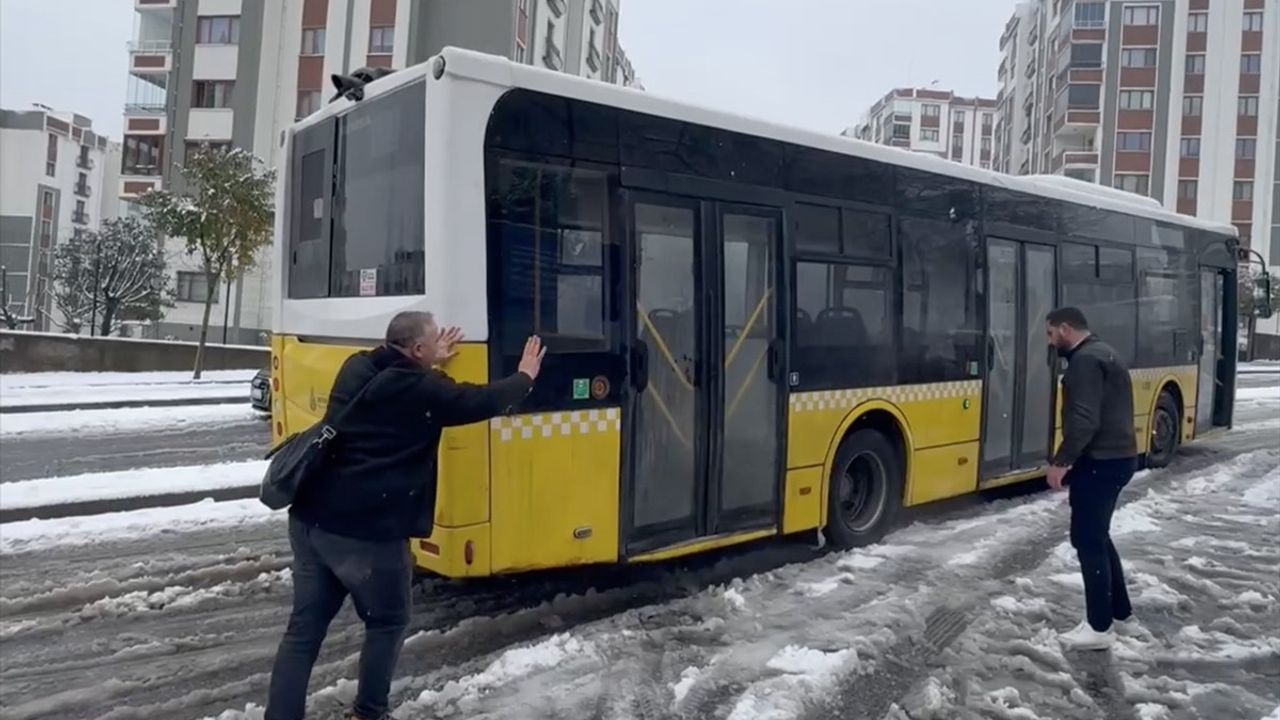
point(1211, 384)
point(702, 424)
point(1021, 374)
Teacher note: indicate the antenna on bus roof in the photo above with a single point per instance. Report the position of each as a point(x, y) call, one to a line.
point(352, 86)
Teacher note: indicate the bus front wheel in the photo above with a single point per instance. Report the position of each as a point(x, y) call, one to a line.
point(865, 493)
point(1166, 432)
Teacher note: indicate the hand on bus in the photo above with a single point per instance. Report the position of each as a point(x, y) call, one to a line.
point(531, 360)
point(447, 344)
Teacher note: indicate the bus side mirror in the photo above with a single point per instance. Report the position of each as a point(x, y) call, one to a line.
point(1262, 296)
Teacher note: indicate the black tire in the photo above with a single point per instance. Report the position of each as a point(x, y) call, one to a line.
point(865, 492)
point(1166, 432)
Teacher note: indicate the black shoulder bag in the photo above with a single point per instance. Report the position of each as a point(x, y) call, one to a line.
point(302, 456)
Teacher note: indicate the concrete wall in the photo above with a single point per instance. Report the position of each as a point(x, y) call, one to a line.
point(41, 352)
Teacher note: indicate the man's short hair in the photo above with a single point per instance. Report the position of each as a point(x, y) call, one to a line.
point(408, 327)
point(1070, 316)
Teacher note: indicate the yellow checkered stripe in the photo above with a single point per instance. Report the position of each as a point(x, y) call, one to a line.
point(557, 424)
point(821, 400)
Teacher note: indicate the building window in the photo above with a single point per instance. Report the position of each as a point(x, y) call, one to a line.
point(987, 121)
point(142, 154)
point(1083, 95)
point(1253, 22)
point(522, 31)
point(986, 145)
point(1086, 55)
point(1139, 57)
point(1192, 105)
point(312, 41)
point(1195, 64)
point(928, 110)
point(1188, 189)
point(1242, 191)
point(194, 287)
point(551, 56)
point(1137, 99)
point(51, 156)
point(194, 146)
point(1247, 106)
point(1085, 174)
point(929, 134)
point(1190, 147)
point(1198, 22)
point(1251, 64)
point(218, 30)
point(901, 132)
point(1138, 184)
point(382, 40)
point(957, 117)
point(1246, 148)
point(1142, 15)
point(1133, 142)
point(212, 93)
point(1091, 15)
point(308, 102)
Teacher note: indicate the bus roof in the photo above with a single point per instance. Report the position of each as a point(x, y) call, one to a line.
point(501, 71)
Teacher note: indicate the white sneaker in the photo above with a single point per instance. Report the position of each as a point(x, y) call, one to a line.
point(1130, 626)
point(1083, 637)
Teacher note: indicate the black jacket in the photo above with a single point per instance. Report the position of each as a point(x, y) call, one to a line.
point(381, 481)
point(1097, 406)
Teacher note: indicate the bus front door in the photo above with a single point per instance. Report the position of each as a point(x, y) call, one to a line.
point(703, 423)
point(1210, 385)
point(1020, 373)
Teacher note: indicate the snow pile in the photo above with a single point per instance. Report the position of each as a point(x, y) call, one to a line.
point(129, 483)
point(88, 395)
point(124, 419)
point(49, 380)
point(805, 672)
point(30, 535)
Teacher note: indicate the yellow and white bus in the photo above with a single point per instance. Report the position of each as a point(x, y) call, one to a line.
point(753, 330)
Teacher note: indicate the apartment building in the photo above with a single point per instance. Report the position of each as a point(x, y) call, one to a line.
point(235, 73)
point(1174, 99)
point(938, 122)
point(58, 179)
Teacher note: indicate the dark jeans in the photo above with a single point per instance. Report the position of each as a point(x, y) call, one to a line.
point(1095, 486)
point(326, 568)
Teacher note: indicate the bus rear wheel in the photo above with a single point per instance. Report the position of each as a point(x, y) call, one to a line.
point(1166, 424)
point(865, 491)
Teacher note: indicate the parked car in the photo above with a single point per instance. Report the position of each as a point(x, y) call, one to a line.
point(260, 392)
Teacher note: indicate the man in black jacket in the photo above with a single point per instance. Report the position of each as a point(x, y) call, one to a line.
point(1097, 458)
point(350, 528)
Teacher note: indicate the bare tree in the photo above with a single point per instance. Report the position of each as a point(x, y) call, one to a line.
point(107, 276)
point(225, 215)
point(10, 320)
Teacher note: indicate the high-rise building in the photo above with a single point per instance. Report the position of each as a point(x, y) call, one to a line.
point(937, 122)
point(1174, 99)
point(58, 179)
point(237, 72)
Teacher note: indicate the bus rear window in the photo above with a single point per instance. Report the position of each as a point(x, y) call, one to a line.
point(362, 234)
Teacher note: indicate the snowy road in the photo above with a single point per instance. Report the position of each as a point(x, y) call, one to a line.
point(951, 617)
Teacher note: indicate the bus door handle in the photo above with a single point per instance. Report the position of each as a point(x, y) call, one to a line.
point(774, 362)
point(640, 366)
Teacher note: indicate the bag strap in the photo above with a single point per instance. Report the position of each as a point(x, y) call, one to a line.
point(346, 410)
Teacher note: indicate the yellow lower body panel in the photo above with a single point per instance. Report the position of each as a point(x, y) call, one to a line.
point(445, 552)
point(942, 472)
point(802, 504)
point(701, 545)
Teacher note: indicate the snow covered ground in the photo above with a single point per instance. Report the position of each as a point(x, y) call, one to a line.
point(75, 380)
point(176, 612)
point(141, 419)
point(135, 393)
point(128, 483)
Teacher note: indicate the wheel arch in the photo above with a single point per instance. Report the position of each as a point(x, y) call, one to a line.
point(879, 415)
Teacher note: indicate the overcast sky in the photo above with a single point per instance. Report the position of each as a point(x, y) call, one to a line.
point(814, 63)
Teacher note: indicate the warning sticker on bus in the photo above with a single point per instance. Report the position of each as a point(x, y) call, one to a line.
point(368, 282)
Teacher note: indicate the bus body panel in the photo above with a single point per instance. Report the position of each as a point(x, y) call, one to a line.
point(802, 500)
point(555, 489)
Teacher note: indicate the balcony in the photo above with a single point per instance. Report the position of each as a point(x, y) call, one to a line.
point(79, 217)
point(593, 58)
point(83, 189)
point(597, 11)
point(84, 162)
point(155, 4)
point(551, 56)
point(557, 7)
point(151, 58)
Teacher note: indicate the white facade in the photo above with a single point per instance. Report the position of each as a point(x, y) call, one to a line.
point(55, 181)
point(1018, 96)
point(934, 122)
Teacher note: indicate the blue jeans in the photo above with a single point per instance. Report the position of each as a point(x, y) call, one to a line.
point(1095, 486)
point(326, 568)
